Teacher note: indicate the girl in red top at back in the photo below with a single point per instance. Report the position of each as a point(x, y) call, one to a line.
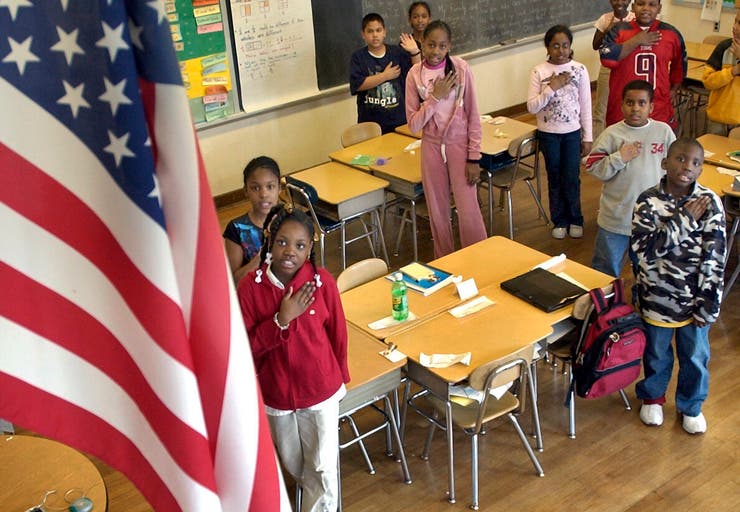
point(298, 336)
point(441, 103)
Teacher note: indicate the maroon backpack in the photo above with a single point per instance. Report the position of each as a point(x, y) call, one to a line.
point(610, 346)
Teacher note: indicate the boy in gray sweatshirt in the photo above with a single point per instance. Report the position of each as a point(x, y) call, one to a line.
point(627, 158)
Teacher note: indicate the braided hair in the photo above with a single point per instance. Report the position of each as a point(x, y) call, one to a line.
point(441, 25)
point(277, 215)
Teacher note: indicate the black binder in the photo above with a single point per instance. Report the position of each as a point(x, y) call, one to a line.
point(543, 289)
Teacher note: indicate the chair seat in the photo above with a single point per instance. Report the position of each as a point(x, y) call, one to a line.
point(562, 348)
point(502, 178)
point(492, 163)
point(465, 416)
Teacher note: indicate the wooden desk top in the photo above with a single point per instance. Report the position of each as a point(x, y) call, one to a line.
point(335, 182)
point(698, 51)
point(720, 146)
point(497, 331)
point(498, 258)
point(712, 179)
point(372, 301)
point(490, 261)
point(695, 73)
point(405, 165)
point(365, 362)
point(31, 466)
point(492, 141)
point(385, 146)
point(405, 130)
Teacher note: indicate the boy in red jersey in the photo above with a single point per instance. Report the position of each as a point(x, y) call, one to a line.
point(644, 49)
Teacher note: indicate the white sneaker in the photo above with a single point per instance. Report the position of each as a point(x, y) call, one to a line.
point(575, 231)
point(651, 414)
point(558, 233)
point(695, 424)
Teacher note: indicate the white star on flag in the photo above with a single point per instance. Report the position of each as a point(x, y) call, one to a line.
point(135, 32)
point(112, 40)
point(14, 5)
point(117, 147)
point(158, 6)
point(73, 97)
point(68, 44)
point(20, 53)
point(114, 95)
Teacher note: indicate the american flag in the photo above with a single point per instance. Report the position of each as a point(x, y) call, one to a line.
point(119, 329)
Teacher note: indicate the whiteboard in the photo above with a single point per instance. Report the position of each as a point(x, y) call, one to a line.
point(275, 52)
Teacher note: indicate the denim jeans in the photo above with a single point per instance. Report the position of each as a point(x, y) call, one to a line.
point(609, 249)
point(692, 349)
point(562, 152)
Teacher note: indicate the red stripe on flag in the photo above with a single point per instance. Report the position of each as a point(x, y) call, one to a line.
point(97, 437)
point(55, 318)
point(79, 226)
point(210, 330)
point(267, 485)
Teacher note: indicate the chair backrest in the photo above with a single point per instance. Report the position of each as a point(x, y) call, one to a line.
point(303, 196)
point(714, 39)
point(360, 132)
point(519, 149)
point(360, 273)
point(500, 371)
point(734, 133)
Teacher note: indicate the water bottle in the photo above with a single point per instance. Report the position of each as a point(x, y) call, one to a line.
point(399, 298)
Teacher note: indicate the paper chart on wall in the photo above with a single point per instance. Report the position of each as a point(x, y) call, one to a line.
point(274, 46)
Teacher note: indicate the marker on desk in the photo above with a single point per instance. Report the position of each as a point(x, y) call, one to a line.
point(382, 161)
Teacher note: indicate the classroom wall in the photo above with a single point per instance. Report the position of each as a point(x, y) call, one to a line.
point(303, 135)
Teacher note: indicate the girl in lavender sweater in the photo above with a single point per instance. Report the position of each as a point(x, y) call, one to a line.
point(560, 96)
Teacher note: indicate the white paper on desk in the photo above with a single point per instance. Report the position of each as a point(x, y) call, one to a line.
point(393, 356)
point(572, 280)
point(466, 289)
point(708, 154)
point(444, 360)
point(414, 145)
point(729, 172)
point(389, 321)
point(555, 260)
point(475, 394)
point(498, 120)
point(471, 307)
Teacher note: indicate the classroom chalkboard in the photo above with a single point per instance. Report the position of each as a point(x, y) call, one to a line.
point(475, 24)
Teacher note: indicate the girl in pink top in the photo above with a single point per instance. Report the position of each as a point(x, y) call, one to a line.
point(441, 102)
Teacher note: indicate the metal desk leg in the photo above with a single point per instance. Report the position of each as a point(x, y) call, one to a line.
point(450, 453)
point(397, 436)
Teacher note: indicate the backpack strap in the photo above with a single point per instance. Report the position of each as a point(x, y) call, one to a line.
point(618, 286)
point(598, 299)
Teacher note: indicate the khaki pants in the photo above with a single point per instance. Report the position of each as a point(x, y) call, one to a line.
point(599, 104)
point(308, 444)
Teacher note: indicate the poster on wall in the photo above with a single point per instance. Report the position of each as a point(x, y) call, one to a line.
point(274, 46)
point(197, 30)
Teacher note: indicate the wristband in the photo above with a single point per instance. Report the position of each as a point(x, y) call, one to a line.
point(277, 322)
point(415, 54)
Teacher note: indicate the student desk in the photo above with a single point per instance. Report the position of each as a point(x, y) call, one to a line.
point(720, 146)
point(402, 169)
point(373, 378)
point(385, 146)
point(497, 137)
point(714, 180)
point(508, 326)
point(347, 193)
point(31, 466)
point(405, 130)
point(344, 189)
point(489, 262)
point(403, 173)
point(698, 51)
point(694, 75)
